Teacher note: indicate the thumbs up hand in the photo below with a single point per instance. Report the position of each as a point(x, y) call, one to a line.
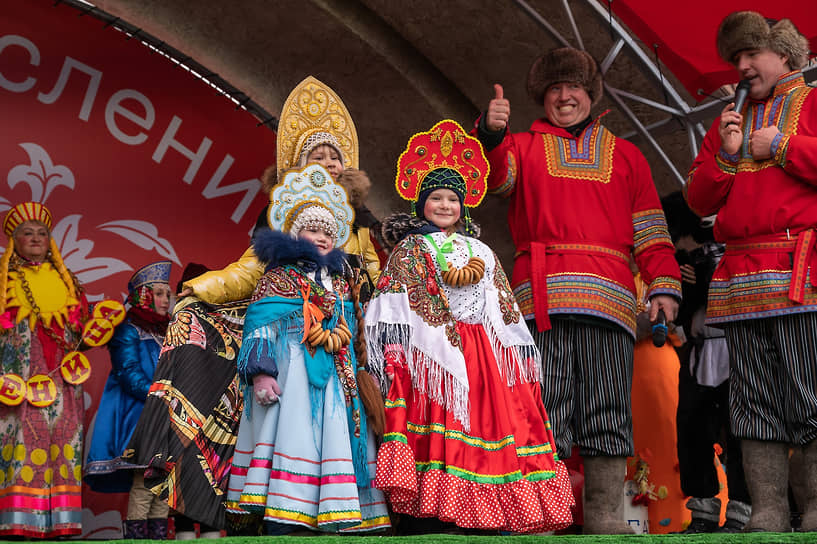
point(499, 111)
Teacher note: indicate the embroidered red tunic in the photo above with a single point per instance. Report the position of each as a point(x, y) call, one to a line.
point(580, 206)
point(767, 210)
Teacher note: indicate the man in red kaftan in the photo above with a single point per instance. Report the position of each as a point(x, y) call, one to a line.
point(757, 169)
point(583, 204)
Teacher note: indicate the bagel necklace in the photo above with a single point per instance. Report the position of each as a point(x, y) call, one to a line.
point(332, 340)
point(469, 274)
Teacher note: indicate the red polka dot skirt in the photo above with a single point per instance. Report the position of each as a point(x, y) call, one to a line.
point(502, 473)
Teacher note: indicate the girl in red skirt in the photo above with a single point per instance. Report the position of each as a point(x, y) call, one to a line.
point(467, 438)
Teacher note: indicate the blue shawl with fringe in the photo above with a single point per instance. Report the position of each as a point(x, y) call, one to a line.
point(267, 324)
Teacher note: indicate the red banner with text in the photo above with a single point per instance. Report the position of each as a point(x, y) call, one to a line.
point(137, 159)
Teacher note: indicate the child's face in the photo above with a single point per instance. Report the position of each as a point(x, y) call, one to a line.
point(161, 297)
point(327, 156)
point(442, 208)
point(317, 236)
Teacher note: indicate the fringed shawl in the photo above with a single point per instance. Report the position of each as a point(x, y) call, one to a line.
point(410, 312)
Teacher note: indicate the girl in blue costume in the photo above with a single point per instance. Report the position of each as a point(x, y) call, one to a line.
point(135, 349)
point(304, 455)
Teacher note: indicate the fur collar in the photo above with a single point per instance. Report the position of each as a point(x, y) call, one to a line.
point(274, 248)
point(400, 225)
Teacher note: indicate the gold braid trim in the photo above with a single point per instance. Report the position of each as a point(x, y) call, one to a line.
point(4, 273)
point(66, 276)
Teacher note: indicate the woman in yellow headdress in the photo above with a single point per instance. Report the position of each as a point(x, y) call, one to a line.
point(315, 127)
point(41, 313)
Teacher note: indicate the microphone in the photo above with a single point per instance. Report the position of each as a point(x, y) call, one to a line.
point(659, 330)
point(741, 93)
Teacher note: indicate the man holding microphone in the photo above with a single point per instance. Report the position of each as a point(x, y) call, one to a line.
point(757, 169)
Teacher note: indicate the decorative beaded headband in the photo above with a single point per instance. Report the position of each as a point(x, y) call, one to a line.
point(26, 211)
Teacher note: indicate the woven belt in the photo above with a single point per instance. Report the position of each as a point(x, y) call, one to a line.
point(538, 275)
point(803, 255)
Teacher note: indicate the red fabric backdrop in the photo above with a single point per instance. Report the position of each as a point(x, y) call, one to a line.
point(125, 189)
point(685, 33)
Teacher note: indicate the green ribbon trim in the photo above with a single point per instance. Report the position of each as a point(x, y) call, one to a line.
point(447, 247)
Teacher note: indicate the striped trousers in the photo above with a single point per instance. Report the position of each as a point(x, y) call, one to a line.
point(773, 378)
point(586, 381)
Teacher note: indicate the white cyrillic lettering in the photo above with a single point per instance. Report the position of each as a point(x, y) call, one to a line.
point(250, 188)
point(195, 158)
point(62, 80)
point(115, 107)
point(34, 56)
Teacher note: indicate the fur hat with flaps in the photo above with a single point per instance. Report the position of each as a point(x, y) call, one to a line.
point(750, 30)
point(564, 64)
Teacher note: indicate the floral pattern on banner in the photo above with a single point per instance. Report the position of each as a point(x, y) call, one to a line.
point(42, 177)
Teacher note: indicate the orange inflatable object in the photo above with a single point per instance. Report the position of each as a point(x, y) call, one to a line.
point(654, 404)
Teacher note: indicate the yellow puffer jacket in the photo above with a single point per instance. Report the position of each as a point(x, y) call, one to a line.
point(360, 244)
point(234, 282)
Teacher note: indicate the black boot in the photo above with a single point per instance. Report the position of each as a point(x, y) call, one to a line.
point(135, 529)
point(157, 529)
point(706, 514)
